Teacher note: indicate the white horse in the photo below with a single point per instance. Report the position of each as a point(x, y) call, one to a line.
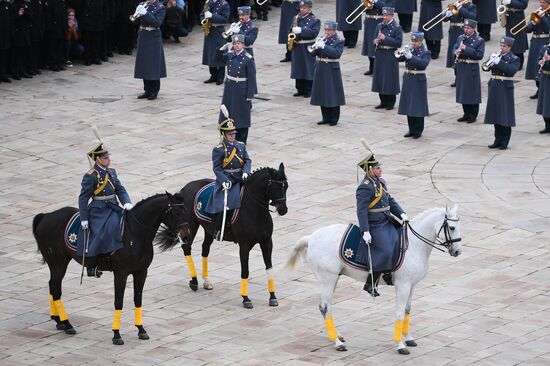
point(432, 228)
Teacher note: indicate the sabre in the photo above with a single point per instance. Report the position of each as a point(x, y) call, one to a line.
point(86, 236)
point(370, 270)
point(225, 190)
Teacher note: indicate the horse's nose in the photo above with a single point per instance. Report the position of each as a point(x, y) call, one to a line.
point(456, 253)
point(282, 210)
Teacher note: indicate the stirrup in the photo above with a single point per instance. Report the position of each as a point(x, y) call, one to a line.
point(93, 272)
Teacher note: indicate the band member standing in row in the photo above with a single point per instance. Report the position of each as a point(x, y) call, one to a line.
point(486, 15)
point(385, 81)
point(6, 29)
point(414, 97)
point(21, 51)
point(302, 61)
point(373, 17)
point(240, 84)
point(150, 63)
point(350, 31)
point(90, 19)
point(246, 28)
point(515, 14)
point(540, 37)
point(37, 38)
point(543, 107)
point(405, 10)
point(456, 23)
point(468, 49)
point(428, 10)
point(217, 14)
point(289, 10)
point(55, 14)
point(500, 110)
point(261, 10)
point(328, 89)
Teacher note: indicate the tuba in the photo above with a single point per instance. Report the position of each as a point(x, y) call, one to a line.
point(314, 46)
point(292, 36)
point(356, 14)
point(401, 51)
point(534, 18)
point(134, 16)
point(453, 8)
point(232, 28)
point(206, 22)
point(487, 65)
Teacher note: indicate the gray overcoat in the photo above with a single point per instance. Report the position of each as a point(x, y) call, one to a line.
point(150, 63)
point(289, 9)
point(543, 106)
point(539, 30)
point(468, 79)
point(428, 10)
point(405, 6)
point(328, 90)
point(386, 68)
point(456, 28)
point(373, 17)
point(500, 102)
point(220, 16)
point(302, 61)
point(414, 95)
point(343, 9)
point(514, 15)
point(486, 11)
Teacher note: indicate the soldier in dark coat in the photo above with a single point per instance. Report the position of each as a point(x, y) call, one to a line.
point(6, 33)
point(55, 17)
point(109, 20)
point(246, 27)
point(373, 17)
point(303, 62)
point(500, 103)
point(231, 165)
point(486, 15)
point(37, 36)
point(414, 96)
point(515, 14)
point(543, 107)
point(350, 31)
point(539, 39)
point(468, 50)
point(99, 219)
point(150, 63)
point(218, 16)
point(92, 24)
point(428, 10)
point(289, 10)
point(261, 10)
point(405, 10)
point(21, 50)
point(375, 206)
point(386, 68)
point(125, 29)
point(328, 90)
point(240, 84)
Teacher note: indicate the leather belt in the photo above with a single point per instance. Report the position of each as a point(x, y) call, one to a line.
point(148, 28)
point(324, 59)
point(465, 61)
point(457, 24)
point(512, 10)
point(415, 72)
point(305, 41)
point(291, 1)
point(104, 198)
point(500, 77)
point(219, 25)
point(236, 170)
point(545, 72)
point(381, 209)
point(386, 47)
point(373, 16)
point(541, 35)
point(236, 79)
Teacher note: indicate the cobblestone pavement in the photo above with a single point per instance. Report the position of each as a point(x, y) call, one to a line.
point(485, 307)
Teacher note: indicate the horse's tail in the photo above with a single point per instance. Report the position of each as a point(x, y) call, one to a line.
point(35, 222)
point(297, 252)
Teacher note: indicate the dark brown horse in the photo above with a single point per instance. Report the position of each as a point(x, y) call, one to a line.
point(140, 229)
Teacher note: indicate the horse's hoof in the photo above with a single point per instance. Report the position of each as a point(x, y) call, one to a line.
point(193, 286)
point(341, 338)
point(143, 336)
point(70, 331)
point(403, 351)
point(411, 343)
point(273, 302)
point(247, 304)
point(60, 326)
point(341, 348)
point(118, 341)
point(208, 286)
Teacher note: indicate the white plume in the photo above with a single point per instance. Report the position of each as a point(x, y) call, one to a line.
point(366, 144)
point(224, 111)
point(96, 132)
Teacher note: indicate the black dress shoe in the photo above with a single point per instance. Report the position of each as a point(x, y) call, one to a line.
point(307, 95)
point(471, 120)
point(5, 79)
point(493, 145)
point(87, 63)
point(104, 58)
point(26, 76)
point(297, 94)
point(219, 82)
point(408, 134)
point(98, 62)
point(323, 123)
point(54, 68)
point(16, 77)
point(416, 136)
point(453, 85)
point(389, 107)
point(110, 54)
point(535, 96)
point(333, 123)
point(61, 68)
point(546, 130)
point(143, 96)
point(37, 72)
point(369, 72)
point(503, 147)
point(435, 57)
point(152, 97)
point(380, 106)
point(285, 60)
point(264, 18)
point(210, 80)
point(462, 119)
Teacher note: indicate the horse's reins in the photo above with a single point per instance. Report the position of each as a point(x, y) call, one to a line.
point(265, 205)
point(170, 205)
point(435, 244)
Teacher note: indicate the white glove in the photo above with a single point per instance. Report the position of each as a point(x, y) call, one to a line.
point(207, 15)
point(366, 237)
point(237, 29)
point(245, 176)
point(506, 2)
point(496, 61)
point(404, 217)
point(296, 30)
point(226, 185)
point(128, 206)
point(139, 8)
point(375, 1)
point(408, 55)
point(448, 14)
point(84, 225)
point(142, 11)
point(321, 45)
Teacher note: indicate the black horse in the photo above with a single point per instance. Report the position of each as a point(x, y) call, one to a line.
point(253, 224)
point(140, 229)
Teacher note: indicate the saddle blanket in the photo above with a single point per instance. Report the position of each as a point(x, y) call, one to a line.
point(73, 227)
point(201, 200)
point(354, 252)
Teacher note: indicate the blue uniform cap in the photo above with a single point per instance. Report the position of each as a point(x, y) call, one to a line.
point(306, 3)
point(388, 10)
point(470, 23)
point(237, 38)
point(509, 41)
point(244, 10)
point(331, 25)
point(417, 36)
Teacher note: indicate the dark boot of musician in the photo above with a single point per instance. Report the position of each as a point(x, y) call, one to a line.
point(368, 285)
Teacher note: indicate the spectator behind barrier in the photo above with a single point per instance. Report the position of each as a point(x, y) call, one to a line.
point(173, 22)
point(73, 48)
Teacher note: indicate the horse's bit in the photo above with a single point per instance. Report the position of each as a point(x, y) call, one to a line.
point(446, 230)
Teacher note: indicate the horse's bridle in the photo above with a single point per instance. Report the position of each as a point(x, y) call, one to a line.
point(435, 244)
point(168, 209)
point(265, 205)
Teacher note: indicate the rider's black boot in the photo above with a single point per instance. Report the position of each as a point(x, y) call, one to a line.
point(388, 278)
point(368, 285)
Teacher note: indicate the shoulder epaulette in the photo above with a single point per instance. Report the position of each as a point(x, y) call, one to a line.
point(91, 171)
point(367, 182)
point(219, 146)
point(248, 55)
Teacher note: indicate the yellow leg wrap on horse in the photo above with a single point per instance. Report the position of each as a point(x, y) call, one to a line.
point(271, 284)
point(398, 331)
point(204, 267)
point(191, 265)
point(406, 321)
point(53, 310)
point(60, 309)
point(244, 286)
point(116, 320)
point(331, 329)
point(138, 316)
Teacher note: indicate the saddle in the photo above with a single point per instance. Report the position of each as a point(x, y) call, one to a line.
point(201, 200)
point(72, 230)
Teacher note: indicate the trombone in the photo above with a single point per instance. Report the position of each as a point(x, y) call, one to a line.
point(205, 23)
point(501, 12)
point(534, 18)
point(261, 2)
point(453, 8)
point(356, 14)
point(232, 28)
point(487, 65)
point(314, 46)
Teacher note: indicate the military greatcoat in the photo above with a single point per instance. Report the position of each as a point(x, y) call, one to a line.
point(22, 32)
point(6, 24)
point(289, 9)
point(103, 187)
point(55, 19)
point(486, 11)
point(500, 103)
point(220, 17)
point(250, 33)
point(150, 62)
point(372, 18)
point(468, 79)
point(414, 96)
point(405, 6)
point(456, 25)
point(514, 15)
point(428, 10)
point(539, 39)
point(328, 89)
point(543, 106)
point(228, 169)
point(303, 62)
point(386, 68)
point(372, 194)
point(343, 9)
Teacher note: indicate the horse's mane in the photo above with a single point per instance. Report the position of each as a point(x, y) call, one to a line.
point(148, 198)
point(272, 171)
point(426, 213)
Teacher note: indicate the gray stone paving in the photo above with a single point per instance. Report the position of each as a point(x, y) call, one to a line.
point(486, 307)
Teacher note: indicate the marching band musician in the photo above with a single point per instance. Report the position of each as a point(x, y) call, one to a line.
point(405, 10)
point(543, 107)
point(240, 84)
point(150, 63)
point(217, 13)
point(246, 28)
point(515, 14)
point(302, 61)
point(373, 17)
point(500, 110)
point(385, 81)
point(456, 22)
point(428, 10)
point(261, 10)
point(328, 89)
point(289, 10)
point(468, 50)
point(414, 97)
point(486, 15)
point(6, 30)
point(21, 51)
point(539, 39)
point(350, 31)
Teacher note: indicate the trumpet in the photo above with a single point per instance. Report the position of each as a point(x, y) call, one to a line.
point(232, 29)
point(356, 14)
point(501, 12)
point(453, 8)
point(401, 51)
point(134, 16)
point(314, 46)
point(487, 65)
point(292, 36)
point(206, 22)
point(534, 18)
